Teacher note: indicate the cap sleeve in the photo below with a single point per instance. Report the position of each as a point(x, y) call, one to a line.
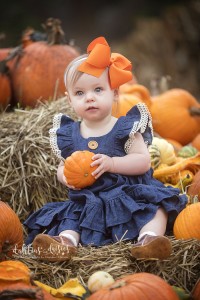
point(61, 136)
point(138, 119)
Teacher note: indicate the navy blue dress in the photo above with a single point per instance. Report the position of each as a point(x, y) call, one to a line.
point(115, 207)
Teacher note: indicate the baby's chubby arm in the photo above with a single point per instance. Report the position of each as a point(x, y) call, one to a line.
point(136, 162)
point(60, 173)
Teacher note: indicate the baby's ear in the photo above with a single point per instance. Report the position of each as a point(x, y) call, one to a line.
point(68, 98)
point(66, 93)
point(116, 94)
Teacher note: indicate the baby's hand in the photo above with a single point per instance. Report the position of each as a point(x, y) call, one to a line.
point(68, 185)
point(104, 162)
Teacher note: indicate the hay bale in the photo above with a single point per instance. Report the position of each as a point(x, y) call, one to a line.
point(28, 181)
point(27, 165)
point(180, 269)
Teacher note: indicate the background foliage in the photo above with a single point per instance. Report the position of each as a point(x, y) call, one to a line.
point(161, 38)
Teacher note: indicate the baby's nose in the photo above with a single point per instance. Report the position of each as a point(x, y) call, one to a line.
point(90, 97)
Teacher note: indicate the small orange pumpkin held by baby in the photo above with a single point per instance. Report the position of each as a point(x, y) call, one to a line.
point(78, 170)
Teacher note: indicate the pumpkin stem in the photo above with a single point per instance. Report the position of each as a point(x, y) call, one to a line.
point(30, 36)
point(194, 111)
point(17, 51)
point(3, 67)
point(55, 34)
point(6, 247)
point(118, 285)
point(18, 293)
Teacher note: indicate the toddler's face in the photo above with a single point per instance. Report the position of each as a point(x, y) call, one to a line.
point(92, 97)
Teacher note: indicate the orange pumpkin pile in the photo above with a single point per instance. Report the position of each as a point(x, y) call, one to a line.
point(5, 85)
point(175, 113)
point(36, 68)
point(176, 121)
point(13, 271)
point(187, 223)
point(16, 283)
point(136, 286)
point(185, 175)
point(11, 231)
point(130, 95)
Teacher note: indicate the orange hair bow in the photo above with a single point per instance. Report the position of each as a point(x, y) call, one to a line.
point(100, 57)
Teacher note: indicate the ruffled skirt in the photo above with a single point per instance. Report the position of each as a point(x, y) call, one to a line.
point(115, 213)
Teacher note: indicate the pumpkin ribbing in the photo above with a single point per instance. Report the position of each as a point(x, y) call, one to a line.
point(37, 75)
point(176, 115)
point(77, 169)
point(11, 231)
point(137, 286)
point(12, 271)
point(5, 84)
point(134, 94)
point(187, 223)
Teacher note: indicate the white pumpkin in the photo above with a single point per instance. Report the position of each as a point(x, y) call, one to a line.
point(167, 153)
point(99, 280)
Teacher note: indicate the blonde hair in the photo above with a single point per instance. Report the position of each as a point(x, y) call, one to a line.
point(71, 74)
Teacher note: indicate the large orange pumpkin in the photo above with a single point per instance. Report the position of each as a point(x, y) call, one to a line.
point(127, 87)
point(38, 73)
point(137, 286)
point(5, 84)
point(132, 95)
point(5, 91)
point(187, 223)
point(11, 231)
point(13, 271)
point(77, 169)
point(16, 283)
point(176, 115)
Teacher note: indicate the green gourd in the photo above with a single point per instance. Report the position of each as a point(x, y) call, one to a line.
point(155, 156)
point(167, 153)
point(187, 151)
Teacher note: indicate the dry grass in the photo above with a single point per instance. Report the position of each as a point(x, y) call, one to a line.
point(181, 269)
point(27, 165)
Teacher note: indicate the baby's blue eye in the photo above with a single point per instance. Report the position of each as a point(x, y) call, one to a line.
point(79, 93)
point(98, 89)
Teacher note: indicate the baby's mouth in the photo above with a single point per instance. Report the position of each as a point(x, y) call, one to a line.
point(91, 108)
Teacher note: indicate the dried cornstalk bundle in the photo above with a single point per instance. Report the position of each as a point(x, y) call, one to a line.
point(27, 165)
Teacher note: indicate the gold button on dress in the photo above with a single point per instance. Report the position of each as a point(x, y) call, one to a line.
point(93, 145)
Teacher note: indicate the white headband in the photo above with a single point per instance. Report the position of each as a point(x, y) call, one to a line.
point(69, 67)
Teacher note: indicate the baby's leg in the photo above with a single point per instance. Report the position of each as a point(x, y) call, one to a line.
point(72, 236)
point(157, 226)
point(151, 241)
